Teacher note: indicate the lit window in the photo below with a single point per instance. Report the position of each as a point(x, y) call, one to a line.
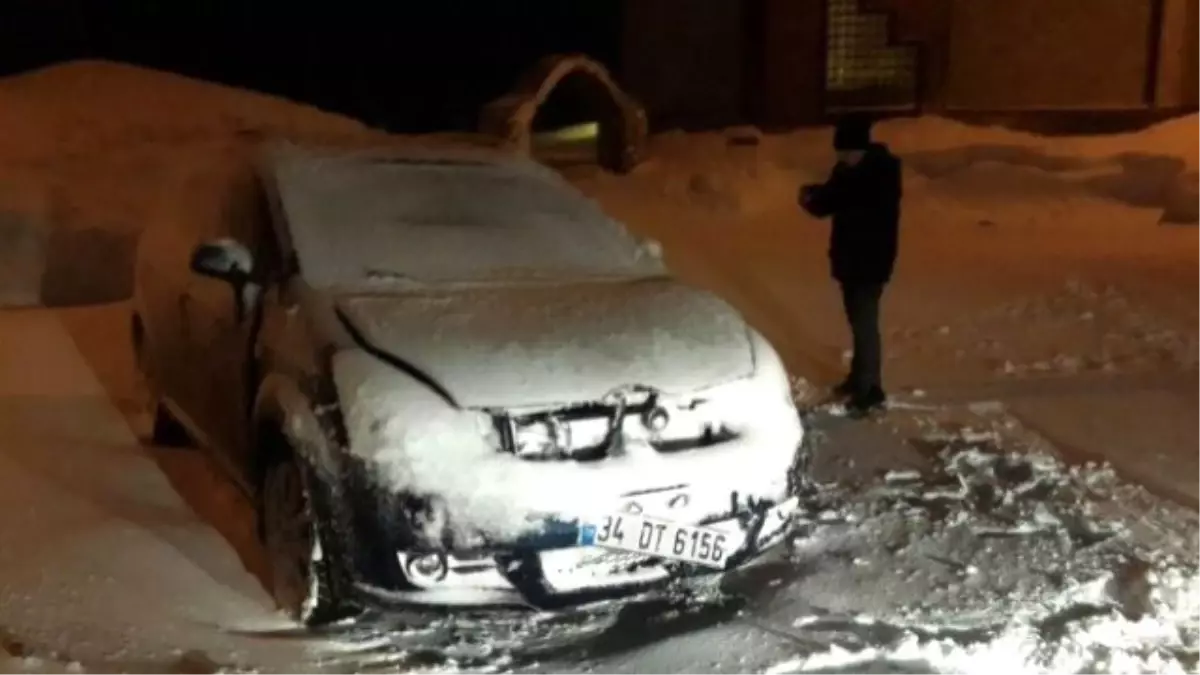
point(859, 57)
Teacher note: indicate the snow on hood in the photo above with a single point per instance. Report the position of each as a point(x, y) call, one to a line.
point(549, 345)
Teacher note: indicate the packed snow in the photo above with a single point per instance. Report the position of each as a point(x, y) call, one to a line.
point(1037, 273)
point(1007, 558)
point(1024, 260)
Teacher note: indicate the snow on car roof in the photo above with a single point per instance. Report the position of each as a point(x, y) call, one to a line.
point(444, 214)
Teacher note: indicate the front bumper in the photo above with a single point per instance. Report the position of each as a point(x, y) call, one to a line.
point(568, 574)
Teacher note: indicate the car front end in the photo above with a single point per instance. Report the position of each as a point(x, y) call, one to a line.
point(551, 505)
point(516, 402)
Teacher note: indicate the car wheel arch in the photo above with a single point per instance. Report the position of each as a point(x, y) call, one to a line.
point(284, 421)
point(278, 451)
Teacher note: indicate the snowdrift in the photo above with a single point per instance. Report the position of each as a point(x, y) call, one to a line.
point(96, 151)
point(741, 172)
point(91, 155)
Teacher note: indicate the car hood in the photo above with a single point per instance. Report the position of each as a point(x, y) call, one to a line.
point(554, 345)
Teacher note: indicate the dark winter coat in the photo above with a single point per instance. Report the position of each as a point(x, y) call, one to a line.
point(864, 201)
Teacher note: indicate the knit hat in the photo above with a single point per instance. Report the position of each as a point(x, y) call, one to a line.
point(852, 132)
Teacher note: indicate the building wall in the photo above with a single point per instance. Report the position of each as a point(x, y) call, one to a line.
point(1171, 54)
point(683, 60)
point(792, 78)
point(1047, 54)
point(1191, 69)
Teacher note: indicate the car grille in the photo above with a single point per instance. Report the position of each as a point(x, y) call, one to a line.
point(595, 430)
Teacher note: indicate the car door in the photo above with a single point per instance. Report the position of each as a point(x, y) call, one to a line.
point(161, 278)
point(223, 326)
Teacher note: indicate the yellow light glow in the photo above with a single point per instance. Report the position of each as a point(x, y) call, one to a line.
point(576, 133)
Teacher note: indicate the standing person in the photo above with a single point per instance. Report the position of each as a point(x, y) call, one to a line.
point(862, 195)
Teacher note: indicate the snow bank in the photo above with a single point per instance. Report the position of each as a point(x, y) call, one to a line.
point(13, 663)
point(741, 173)
point(22, 259)
point(992, 218)
point(95, 152)
point(91, 154)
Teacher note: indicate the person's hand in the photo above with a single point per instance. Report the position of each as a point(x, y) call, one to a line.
point(806, 195)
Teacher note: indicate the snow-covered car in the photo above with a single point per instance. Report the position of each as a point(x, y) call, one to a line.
point(448, 377)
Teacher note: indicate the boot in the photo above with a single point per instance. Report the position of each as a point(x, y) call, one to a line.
point(864, 403)
point(845, 389)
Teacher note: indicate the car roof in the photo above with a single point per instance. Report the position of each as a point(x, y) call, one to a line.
point(303, 178)
point(279, 158)
point(436, 212)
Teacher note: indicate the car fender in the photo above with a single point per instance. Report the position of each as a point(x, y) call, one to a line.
point(281, 401)
point(313, 430)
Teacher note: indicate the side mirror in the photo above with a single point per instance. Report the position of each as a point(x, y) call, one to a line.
point(223, 259)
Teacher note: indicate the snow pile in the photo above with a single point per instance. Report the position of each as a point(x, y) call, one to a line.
point(81, 110)
point(1043, 568)
point(1052, 234)
point(464, 641)
point(33, 664)
point(1086, 636)
point(96, 151)
point(998, 171)
point(737, 173)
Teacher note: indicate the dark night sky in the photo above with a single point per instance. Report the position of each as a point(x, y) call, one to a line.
point(405, 65)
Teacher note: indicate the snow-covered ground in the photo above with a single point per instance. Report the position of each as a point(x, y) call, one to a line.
point(970, 541)
point(1028, 265)
point(1019, 255)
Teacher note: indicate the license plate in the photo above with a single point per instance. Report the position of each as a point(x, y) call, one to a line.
point(659, 538)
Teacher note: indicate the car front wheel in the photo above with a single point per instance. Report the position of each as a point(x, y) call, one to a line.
point(299, 579)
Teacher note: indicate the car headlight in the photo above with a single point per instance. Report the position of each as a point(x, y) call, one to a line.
point(667, 423)
point(540, 438)
point(579, 433)
point(759, 403)
point(682, 422)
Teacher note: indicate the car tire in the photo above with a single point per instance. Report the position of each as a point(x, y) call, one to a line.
point(298, 571)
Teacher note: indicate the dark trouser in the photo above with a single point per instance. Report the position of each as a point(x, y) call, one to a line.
point(861, 302)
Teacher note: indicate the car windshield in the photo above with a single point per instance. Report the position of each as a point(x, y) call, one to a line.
point(356, 223)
